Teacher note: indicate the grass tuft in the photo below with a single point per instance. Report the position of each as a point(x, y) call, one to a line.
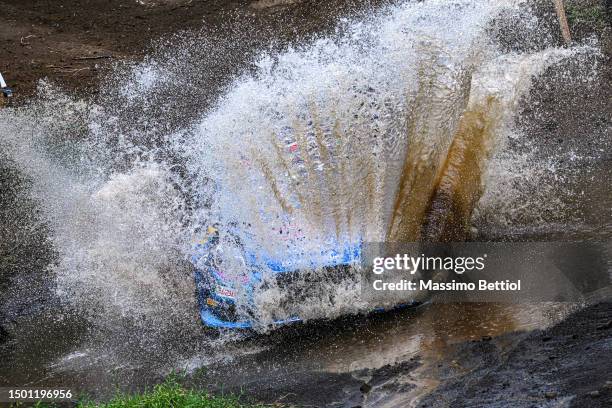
point(169, 394)
point(593, 16)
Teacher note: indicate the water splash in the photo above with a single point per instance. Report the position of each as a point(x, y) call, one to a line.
point(322, 134)
point(381, 132)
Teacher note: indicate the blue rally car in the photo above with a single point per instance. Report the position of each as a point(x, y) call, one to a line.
point(227, 300)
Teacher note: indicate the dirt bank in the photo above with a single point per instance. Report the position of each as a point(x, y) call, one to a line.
point(566, 365)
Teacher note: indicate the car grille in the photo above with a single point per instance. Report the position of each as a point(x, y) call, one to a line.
point(301, 288)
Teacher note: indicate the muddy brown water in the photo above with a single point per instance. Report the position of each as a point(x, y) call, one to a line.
point(319, 363)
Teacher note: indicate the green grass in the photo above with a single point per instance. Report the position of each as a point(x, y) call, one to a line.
point(593, 16)
point(169, 394)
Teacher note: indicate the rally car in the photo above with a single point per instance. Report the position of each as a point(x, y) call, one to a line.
point(226, 298)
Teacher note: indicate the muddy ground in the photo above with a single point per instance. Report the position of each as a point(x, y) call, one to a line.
point(73, 42)
point(567, 365)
